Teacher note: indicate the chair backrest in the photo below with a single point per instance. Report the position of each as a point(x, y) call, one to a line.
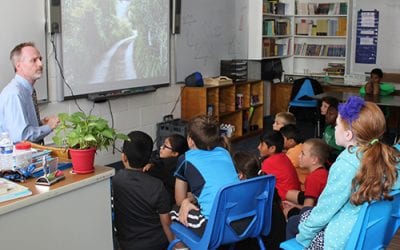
point(304, 90)
point(376, 225)
point(241, 210)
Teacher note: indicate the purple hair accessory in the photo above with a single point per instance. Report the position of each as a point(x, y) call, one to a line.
point(350, 110)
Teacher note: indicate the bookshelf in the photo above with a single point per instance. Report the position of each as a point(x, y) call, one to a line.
point(220, 102)
point(320, 37)
point(308, 35)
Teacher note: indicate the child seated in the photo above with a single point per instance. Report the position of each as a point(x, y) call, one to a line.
point(141, 203)
point(292, 145)
point(163, 164)
point(205, 168)
point(326, 102)
point(247, 165)
point(375, 86)
point(277, 163)
point(329, 133)
point(313, 156)
point(282, 119)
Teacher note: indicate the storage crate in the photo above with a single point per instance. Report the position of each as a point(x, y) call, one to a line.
point(234, 69)
point(166, 128)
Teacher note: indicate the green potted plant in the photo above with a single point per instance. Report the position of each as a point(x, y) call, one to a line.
point(84, 134)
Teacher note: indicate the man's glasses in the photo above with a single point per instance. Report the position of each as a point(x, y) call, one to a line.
point(166, 146)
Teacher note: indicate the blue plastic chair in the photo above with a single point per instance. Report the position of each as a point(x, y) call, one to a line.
point(303, 96)
point(375, 227)
point(249, 199)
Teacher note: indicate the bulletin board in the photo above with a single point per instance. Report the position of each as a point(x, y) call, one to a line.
point(388, 38)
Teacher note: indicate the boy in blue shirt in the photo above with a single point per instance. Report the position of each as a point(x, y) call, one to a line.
point(203, 170)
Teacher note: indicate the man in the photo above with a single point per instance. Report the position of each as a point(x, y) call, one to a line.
point(18, 108)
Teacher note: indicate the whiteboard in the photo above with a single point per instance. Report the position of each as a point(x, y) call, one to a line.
point(211, 30)
point(388, 50)
point(22, 21)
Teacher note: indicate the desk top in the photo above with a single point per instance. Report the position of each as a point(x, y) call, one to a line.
point(71, 182)
point(390, 100)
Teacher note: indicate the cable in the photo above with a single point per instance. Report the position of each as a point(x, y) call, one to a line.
point(177, 100)
point(62, 72)
point(112, 126)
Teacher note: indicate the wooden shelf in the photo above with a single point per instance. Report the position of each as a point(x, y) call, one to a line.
point(197, 100)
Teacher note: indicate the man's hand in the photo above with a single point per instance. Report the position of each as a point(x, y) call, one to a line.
point(186, 206)
point(51, 121)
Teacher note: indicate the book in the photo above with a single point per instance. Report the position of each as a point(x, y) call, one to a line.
point(10, 190)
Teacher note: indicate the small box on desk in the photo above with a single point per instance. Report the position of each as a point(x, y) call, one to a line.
point(168, 127)
point(234, 69)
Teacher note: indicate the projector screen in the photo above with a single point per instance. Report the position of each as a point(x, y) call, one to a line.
point(114, 44)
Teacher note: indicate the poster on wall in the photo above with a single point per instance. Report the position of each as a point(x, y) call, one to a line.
point(367, 36)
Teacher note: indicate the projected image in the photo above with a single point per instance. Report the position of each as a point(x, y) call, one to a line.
point(110, 41)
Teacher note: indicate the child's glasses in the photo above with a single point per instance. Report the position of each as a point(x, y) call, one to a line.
point(164, 146)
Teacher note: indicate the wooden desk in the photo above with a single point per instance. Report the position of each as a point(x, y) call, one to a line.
point(74, 213)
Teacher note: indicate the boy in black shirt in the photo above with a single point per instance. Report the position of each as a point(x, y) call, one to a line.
point(141, 202)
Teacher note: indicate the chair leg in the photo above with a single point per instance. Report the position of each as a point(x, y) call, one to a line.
point(260, 243)
point(173, 243)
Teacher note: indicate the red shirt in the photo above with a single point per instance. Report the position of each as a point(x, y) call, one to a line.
point(315, 183)
point(282, 168)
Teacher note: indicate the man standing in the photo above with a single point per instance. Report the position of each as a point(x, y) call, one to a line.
point(19, 115)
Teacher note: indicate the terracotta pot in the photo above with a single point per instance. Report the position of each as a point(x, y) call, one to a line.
point(82, 160)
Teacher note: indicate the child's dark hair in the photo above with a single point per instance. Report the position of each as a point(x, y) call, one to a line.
point(377, 72)
point(332, 101)
point(290, 131)
point(247, 164)
point(178, 143)
point(204, 131)
point(273, 138)
point(138, 149)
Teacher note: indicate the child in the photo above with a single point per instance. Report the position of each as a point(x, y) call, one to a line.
point(277, 163)
point(141, 203)
point(292, 145)
point(247, 165)
point(313, 155)
point(327, 102)
point(205, 168)
point(163, 166)
point(329, 133)
point(365, 171)
point(372, 87)
point(282, 119)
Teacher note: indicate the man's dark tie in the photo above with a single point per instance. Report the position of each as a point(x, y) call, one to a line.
point(35, 103)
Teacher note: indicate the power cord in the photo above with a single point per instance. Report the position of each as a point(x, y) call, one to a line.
point(62, 72)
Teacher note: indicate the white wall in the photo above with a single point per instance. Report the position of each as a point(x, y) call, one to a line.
point(136, 112)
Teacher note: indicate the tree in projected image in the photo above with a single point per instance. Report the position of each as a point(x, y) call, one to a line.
point(151, 45)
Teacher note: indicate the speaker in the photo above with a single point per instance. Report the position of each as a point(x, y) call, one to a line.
point(55, 16)
point(175, 16)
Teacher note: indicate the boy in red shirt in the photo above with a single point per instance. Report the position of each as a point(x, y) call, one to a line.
point(314, 154)
point(277, 163)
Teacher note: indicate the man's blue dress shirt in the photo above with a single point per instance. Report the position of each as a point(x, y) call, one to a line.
point(17, 112)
